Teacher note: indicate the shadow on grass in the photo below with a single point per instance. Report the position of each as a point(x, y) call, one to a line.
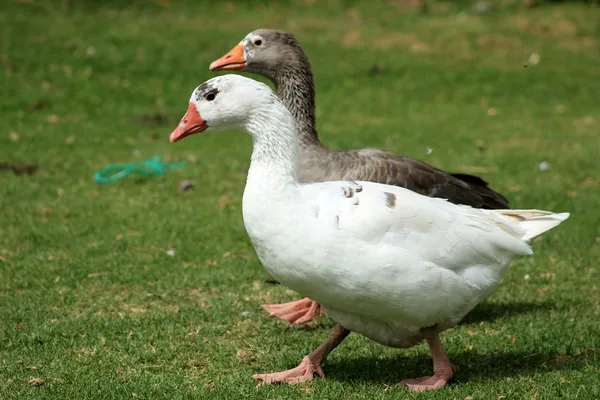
point(470, 365)
point(493, 311)
point(483, 312)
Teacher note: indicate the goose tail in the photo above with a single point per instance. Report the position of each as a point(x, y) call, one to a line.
point(533, 222)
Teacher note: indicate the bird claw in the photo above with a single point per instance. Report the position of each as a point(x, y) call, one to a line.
point(302, 373)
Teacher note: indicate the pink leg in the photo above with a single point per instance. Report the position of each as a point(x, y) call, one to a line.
point(442, 369)
point(295, 312)
point(309, 365)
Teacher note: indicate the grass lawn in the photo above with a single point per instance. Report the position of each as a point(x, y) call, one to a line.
point(135, 290)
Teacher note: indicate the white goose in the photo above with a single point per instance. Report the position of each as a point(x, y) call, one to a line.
point(388, 263)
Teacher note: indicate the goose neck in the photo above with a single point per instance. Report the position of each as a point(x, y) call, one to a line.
point(275, 144)
point(295, 87)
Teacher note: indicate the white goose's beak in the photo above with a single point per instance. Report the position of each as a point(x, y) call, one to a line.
point(191, 123)
point(235, 60)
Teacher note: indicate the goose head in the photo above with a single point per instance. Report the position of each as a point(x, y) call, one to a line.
point(262, 51)
point(223, 103)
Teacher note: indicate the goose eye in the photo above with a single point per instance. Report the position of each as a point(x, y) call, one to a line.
point(258, 42)
point(210, 96)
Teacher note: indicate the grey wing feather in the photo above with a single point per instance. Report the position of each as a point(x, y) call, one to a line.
point(430, 181)
point(382, 167)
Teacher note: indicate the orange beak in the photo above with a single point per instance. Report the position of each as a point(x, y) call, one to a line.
point(190, 123)
point(232, 61)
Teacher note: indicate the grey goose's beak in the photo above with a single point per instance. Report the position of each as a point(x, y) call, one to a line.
point(235, 60)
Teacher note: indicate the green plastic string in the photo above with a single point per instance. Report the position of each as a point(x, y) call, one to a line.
point(150, 167)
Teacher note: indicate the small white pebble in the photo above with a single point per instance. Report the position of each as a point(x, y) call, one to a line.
point(482, 7)
point(91, 50)
point(534, 59)
point(171, 253)
point(429, 150)
point(246, 314)
point(544, 165)
point(526, 277)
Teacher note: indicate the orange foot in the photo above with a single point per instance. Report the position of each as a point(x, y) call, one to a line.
point(436, 381)
point(295, 312)
point(302, 373)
